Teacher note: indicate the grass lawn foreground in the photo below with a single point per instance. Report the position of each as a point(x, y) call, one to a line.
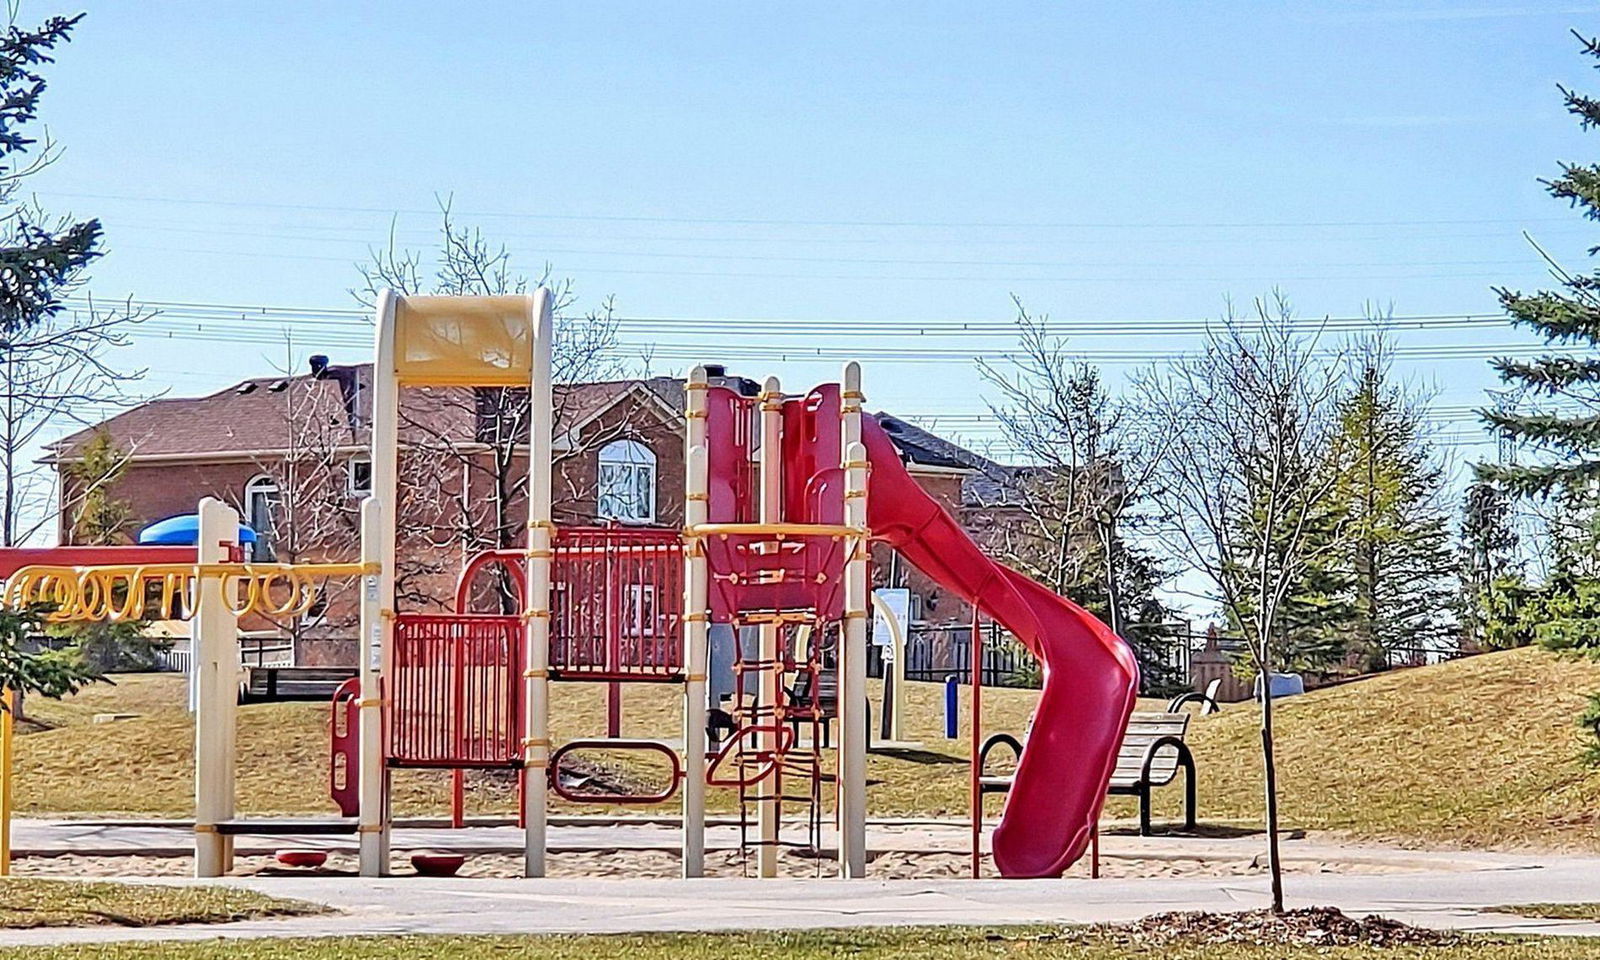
point(28, 902)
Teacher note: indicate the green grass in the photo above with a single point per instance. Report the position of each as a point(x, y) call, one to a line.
point(68, 903)
point(924, 944)
point(1554, 911)
point(1479, 752)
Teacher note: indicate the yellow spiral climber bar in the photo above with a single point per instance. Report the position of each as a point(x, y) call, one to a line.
point(167, 590)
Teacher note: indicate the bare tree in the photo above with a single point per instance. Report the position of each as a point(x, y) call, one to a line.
point(473, 442)
point(1088, 464)
point(57, 373)
point(313, 511)
point(1249, 423)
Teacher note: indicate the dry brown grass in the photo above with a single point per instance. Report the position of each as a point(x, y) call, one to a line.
point(29, 902)
point(1478, 752)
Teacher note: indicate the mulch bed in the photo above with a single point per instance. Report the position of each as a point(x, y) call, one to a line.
point(1313, 926)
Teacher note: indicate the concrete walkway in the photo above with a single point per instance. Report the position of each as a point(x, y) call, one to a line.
point(590, 834)
point(460, 906)
point(1440, 888)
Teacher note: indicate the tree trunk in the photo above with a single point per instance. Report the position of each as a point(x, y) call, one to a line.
point(1274, 865)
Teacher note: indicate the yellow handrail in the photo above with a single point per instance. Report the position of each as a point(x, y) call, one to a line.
point(123, 592)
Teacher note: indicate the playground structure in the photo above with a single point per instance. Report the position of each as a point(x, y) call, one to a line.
point(778, 522)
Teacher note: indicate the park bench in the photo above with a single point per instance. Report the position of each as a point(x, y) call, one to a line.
point(827, 705)
point(1153, 749)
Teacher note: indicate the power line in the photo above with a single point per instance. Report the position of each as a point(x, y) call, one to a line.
point(793, 222)
point(357, 317)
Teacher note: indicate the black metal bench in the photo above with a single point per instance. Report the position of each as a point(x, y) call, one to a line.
point(1153, 749)
point(801, 709)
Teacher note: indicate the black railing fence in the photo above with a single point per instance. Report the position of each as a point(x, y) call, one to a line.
point(936, 652)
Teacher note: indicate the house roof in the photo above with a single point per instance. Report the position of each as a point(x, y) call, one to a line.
point(252, 416)
point(986, 484)
point(258, 416)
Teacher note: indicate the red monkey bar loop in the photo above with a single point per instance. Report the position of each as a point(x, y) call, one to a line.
point(674, 771)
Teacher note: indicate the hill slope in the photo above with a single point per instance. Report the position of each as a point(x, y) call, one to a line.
point(1480, 751)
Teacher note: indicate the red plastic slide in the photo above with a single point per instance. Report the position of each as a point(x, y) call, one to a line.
point(1091, 678)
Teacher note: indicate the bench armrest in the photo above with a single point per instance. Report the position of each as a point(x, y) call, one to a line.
point(996, 740)
point(1185, 758)
point(1207, 705)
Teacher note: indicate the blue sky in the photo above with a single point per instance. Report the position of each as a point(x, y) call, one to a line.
point(851, 162)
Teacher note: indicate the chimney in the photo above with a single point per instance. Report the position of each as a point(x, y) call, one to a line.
point(349, 381)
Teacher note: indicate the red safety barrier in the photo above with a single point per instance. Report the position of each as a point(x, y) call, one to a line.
point(344, 735)
point(674, 775)
point(508, 561)
point(454, 690)
point(616, 604)
point(764, 571)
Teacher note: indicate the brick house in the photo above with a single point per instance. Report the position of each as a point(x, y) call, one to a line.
point(290, 453)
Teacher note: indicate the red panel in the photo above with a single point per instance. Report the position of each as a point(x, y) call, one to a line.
point(345, 739)
point(729, 419)
point(454, 690)
point(813, 481)
point(616, 604)
point(751, 571)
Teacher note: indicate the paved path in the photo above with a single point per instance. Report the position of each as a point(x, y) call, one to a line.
point(460, 906)
point(175, 838)
point(1443, 889)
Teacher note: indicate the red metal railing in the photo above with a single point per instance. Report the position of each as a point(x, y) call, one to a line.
point(616, 604)
point(454, 691)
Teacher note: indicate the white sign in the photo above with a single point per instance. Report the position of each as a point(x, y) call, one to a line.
point(897, 602)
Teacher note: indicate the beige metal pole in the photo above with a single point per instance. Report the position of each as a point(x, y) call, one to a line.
point(377, 603)
point(771, 511)
point(853, 652)
point(541, 541)
point(214, 643)
point(696, 626)
point(371, 776)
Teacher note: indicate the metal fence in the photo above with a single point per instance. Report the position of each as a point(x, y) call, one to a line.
point(934, 653)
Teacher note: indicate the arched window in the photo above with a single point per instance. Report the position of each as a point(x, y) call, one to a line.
point(627, 482)
point(261, 500)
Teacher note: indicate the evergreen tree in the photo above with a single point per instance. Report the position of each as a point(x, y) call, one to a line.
point(1312, 625)
point(41, 257)
point(1395, 556)
point(100, 518)
point(1488, 559)
point(1569, 316)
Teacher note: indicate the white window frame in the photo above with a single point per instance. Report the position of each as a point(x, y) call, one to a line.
point(261, 485)
point(354, 489)
point(630, 465)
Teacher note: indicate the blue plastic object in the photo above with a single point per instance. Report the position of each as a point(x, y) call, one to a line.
point(183, 530)
point(952, 707)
